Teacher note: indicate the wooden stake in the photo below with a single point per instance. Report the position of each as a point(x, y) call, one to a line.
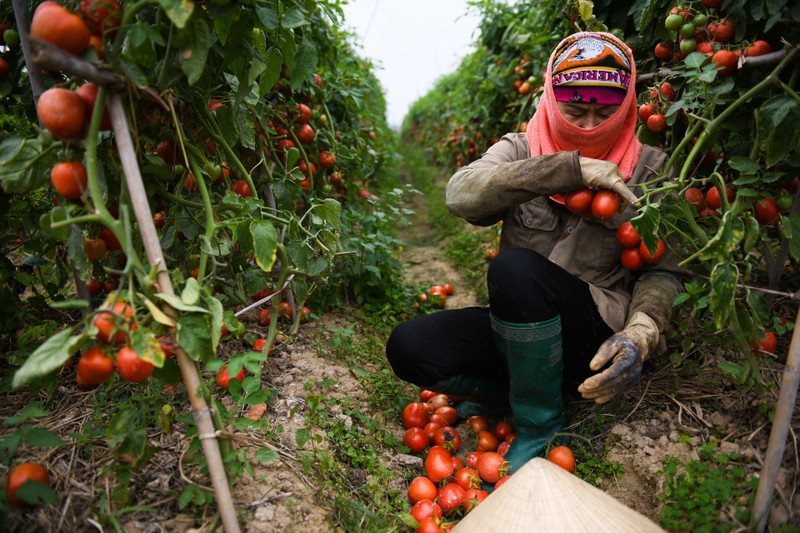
point(778, 434)
point(191, 378)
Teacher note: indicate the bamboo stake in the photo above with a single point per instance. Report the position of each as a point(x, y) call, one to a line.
point(23, 27)
point(777, 436)
point(191, 378)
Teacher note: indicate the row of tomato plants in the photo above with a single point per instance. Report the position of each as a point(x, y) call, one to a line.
point(259, 134)
point(717, 92)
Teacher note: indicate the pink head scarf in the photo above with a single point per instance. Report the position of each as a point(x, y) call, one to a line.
point(614, 139)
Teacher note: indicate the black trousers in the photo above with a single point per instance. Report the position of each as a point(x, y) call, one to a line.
point(524, 287)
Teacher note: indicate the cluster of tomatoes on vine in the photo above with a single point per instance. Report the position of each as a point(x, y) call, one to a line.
point(698, 31)
point(525, 80)
point(452, 485)
point(600, 204)
point(652, 112)
point(635, 253)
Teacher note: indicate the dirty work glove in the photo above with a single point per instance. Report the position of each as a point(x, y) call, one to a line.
point(601, 174)
point(628, 349)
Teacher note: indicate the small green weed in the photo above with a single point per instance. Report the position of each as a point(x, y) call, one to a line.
point(712, 494)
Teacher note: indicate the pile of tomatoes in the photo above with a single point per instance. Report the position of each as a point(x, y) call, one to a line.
point(634, 251)
point(435, 296)
point(455, 480)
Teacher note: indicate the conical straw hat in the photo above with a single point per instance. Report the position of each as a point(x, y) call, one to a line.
point(543, 496)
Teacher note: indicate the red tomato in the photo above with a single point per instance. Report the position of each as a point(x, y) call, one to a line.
point(627, 235)
point(645, 112)
point(95, 249)
point(415, 440)
point(579, 200)
point(303, 113)
point(112, 243)
point(263, 316)
point(501, 481)
point(167, 346)
point(438, 465)
point(69, 179)
point(563, 457)
point(421, 488)
point(491, 466)
point(695, 197)
point(667, 90)
point(467, 478)
point(478, 423)
point(727, 60)
point(326, 159)
point(449, 413)
point(440, 400)
point(241, 188)
point(766, 344)
point(758, 48)
point(450, 497)
point(605, 204)
point(415, 415)
point(723, 31)
point(305, 134)
point(648, 257)
point(766, 211)
point(426, 394)
point(503, 448)
point(94, 367)
point(631, 258)
point(21, 474)
point(113, 324)
point(429, 525)
point(713, 200)
point(458, 464)
point(472, 459)
point(663, 51)
point(448, 438)
point(430, 430)
point(503, 429)
point(131, 367)
point(487, 442)
point(657, 123)
point(224, 378)
point(472, 497)
point(424, 509)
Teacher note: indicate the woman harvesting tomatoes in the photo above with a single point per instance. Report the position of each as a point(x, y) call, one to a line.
point(564, 314)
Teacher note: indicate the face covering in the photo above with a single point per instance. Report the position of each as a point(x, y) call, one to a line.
point(586, 66)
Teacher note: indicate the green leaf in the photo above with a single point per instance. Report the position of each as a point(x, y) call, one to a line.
point(42, 438)
point(302, 437)
point(695, 60)
point(268, 17)
point(193, 43)
point(216, 310)
point(294, 18)
point(791, 229)
point(177, 303)
point(331, 212)
point(178, 11)
point(724, 242)
point(735, 370)
point(266, 455)
point(646, 224)
point(744, 165)
point(272, 74)
point(55, 215)
point(724, 278)
point(191, 292)
point(778, 122)
point(265, 243)
point(30, 411)
point(36, 493)
point(194, 336)
point(305, 63)
point(20, 170)
point(48, 357)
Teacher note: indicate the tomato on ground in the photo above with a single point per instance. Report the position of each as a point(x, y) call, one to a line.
point(421, 488)
point(224, 378)
point(563, 457)
point(20, 475)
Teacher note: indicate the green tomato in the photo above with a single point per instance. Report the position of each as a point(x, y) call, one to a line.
point(688, 29)
point(11, 38)
point(785, 202)
point(673, 22)
point(688, 45)
point(700, 20)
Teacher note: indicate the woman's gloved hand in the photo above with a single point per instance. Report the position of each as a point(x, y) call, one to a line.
point(601, 174)
point(627, 350)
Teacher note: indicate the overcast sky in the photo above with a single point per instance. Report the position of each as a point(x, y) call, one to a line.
point(413, 42)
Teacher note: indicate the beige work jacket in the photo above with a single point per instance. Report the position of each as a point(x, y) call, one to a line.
point(507, 184)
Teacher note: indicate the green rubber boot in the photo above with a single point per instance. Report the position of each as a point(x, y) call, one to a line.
point(533, 354)
point(478, 396)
